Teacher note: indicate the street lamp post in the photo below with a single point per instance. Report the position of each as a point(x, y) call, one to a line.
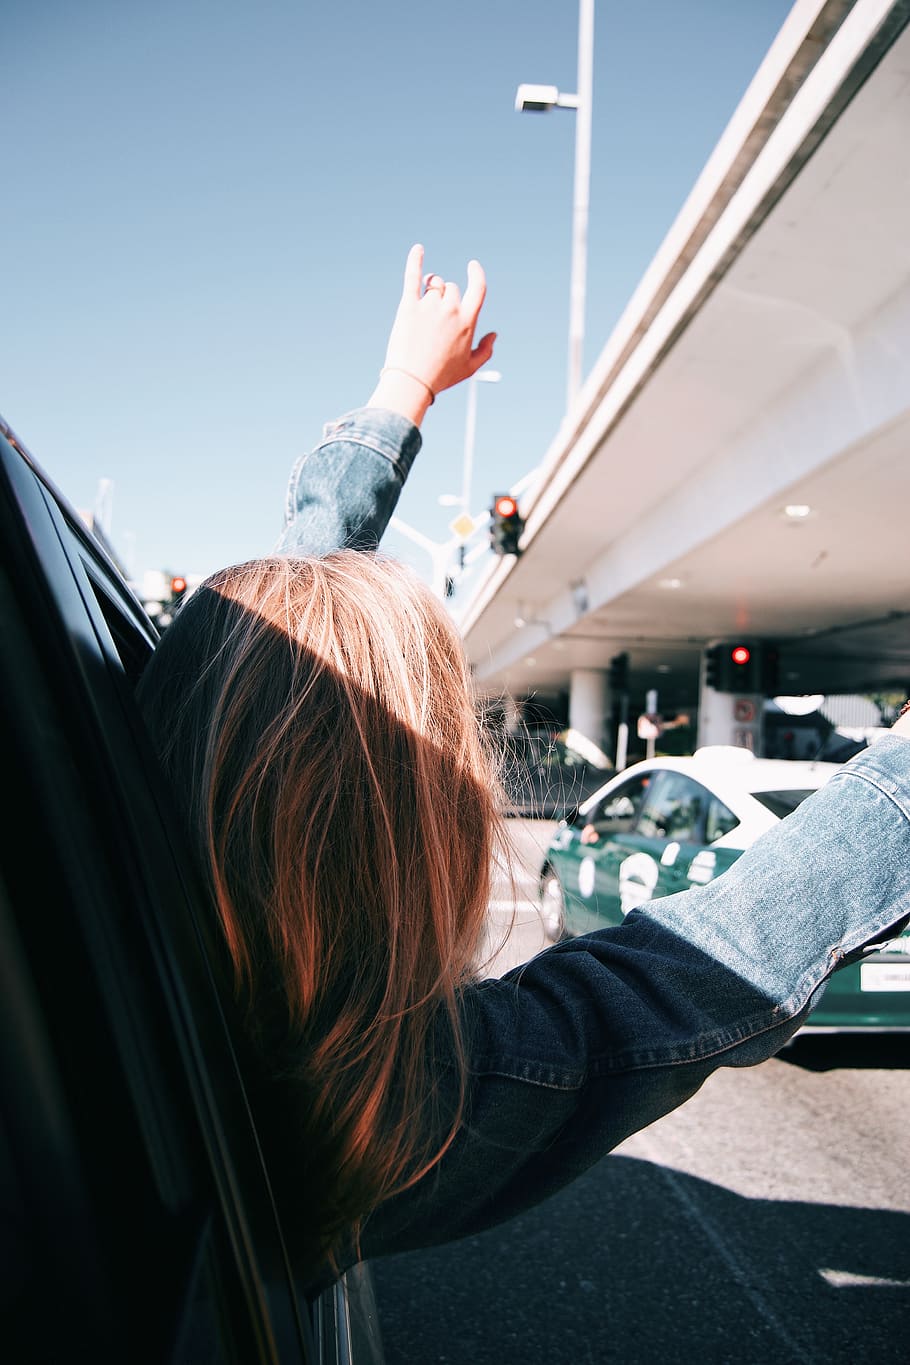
point(539, 99)
point(464, 524)
point(470, 433)
point(440, 552)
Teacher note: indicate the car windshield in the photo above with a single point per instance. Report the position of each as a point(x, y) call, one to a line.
point(781, 803)
point(563, 749)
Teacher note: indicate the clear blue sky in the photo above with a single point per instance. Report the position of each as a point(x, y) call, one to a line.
point(208, 204)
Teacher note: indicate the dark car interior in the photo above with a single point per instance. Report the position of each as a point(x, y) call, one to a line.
point(138, 1220)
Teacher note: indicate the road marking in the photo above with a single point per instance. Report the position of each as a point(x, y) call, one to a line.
point(742, 1272)
point(845, 1279)
point(506, 907)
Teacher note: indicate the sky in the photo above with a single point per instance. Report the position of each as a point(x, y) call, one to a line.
point(208, 204)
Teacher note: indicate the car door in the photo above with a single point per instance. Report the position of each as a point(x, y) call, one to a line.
point(669, 841)
point(137, 1208)
point(601, 839)
point(665, 849)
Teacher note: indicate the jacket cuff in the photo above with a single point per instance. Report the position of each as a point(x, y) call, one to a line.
point(386, 432)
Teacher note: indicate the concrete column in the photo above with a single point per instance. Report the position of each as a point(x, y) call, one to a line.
point(589, 703)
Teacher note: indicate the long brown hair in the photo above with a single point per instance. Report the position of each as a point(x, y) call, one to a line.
point(316, 719)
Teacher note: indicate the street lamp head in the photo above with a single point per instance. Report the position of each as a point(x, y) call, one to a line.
point(488, 376)
point(536, 98)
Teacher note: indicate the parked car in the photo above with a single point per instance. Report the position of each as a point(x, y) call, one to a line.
point(138, 1221)
point(671, 823)
point(547, 773)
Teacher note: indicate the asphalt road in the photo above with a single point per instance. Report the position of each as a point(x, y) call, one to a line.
point(767, 1220)
point(513, 926)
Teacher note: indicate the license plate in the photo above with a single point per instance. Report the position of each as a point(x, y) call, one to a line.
point(884, 976)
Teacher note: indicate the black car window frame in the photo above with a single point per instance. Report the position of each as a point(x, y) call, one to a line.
point(783, 802)
point(66, 625)
point(720, 820)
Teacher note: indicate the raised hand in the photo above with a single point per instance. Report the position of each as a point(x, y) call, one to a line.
point(431, 344)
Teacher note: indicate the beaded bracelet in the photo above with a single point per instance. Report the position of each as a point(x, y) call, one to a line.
point(398, 370)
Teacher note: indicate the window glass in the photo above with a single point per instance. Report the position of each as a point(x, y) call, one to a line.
point(559, 751)
point(720, 821)
point(616, 812)
point(675, 809)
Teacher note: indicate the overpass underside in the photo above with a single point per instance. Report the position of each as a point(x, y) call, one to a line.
point(736, 464)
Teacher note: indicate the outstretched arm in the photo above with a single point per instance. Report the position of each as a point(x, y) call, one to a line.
point(343, 493)
point(598, 1037)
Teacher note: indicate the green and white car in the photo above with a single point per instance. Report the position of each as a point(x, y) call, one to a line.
point(671, 823)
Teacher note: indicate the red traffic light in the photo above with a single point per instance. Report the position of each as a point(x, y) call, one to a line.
point(506, 525)
point(178, 585)
point(741, 655)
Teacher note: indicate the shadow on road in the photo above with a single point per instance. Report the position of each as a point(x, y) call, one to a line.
point(637, 1263)
point(854, 1052)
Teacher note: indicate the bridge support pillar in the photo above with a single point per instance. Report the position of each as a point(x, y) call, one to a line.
point(588, 703)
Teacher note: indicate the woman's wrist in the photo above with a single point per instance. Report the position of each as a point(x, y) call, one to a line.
point(902, 725)
point(403, 392)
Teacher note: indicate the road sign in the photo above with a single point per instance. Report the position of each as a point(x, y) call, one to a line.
point(462, 525)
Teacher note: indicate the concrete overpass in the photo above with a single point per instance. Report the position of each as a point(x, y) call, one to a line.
point(762, 364)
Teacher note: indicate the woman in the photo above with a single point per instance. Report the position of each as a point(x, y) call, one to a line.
point(326, 758)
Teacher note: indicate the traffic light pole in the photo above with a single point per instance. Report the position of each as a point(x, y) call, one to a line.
point(440, 553)
point(619, 688)
point(622, 733)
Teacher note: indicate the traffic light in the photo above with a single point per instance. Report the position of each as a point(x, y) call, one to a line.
point(619, 673)
point(743, 666)
point(506, 525)
point(731, 667)
point(178, 587)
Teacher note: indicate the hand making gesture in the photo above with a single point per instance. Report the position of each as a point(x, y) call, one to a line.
point(431, 345)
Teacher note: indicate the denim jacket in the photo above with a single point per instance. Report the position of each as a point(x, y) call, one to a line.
point(344, 492)
point(597, 1037)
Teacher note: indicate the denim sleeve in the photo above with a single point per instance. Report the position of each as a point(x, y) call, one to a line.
point(598, 1037)
point(343, 493)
